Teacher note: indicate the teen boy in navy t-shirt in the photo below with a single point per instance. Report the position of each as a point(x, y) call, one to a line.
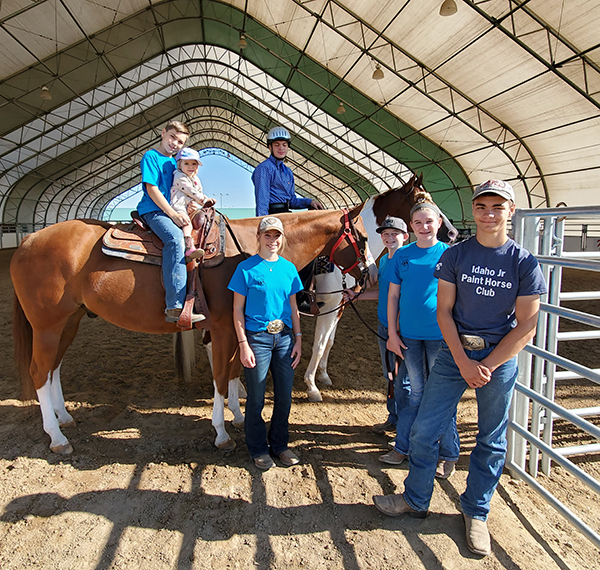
point(488, 302)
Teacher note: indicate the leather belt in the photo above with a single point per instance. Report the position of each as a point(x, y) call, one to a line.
point(279, 207)
point(474, 342)
point(275, 326)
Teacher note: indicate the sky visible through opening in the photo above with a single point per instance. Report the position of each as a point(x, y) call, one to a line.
point(222, 178)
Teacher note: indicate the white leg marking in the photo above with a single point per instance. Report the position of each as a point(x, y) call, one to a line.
point(241, 389)
point(58, 442)
point(58, 401)
point(233, 403)
point(222, 441)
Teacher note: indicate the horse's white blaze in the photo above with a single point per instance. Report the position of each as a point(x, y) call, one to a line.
point(49, 418)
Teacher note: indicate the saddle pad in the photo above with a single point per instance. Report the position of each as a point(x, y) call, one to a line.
point(131, 242)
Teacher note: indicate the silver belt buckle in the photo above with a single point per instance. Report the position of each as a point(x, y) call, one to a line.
point(472, 342)
point(275, 326)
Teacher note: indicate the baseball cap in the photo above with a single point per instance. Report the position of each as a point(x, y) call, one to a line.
point(498, 187)
point(270, 223)
point(391, 223)
point(188, 153)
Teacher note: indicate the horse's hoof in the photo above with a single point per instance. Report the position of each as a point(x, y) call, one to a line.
point(68, 424)
point(226, 446)
point(239, 425)
point(314, 396)
point(65, 449)
point(324, 381)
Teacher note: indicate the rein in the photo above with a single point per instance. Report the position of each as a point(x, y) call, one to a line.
point(232, 234)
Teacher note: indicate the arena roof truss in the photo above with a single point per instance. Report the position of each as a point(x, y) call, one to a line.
point(504, 88)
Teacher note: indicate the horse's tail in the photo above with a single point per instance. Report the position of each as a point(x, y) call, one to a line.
point(23, 343)
point(185, 355)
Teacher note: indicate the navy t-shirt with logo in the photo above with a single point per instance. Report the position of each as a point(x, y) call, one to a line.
point(488, 282)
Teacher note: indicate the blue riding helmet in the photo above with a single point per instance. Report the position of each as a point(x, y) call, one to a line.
point(188, 153)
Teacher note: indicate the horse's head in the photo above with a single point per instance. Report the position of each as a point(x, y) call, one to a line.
point(398, 203)
point(350, 251)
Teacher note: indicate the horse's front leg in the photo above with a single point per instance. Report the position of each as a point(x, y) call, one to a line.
point(322, 374)
point(222, 441)
point(325, 325)
point(58, 401)
point(58, 442)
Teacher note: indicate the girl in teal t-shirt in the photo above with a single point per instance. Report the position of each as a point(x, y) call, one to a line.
point(416, 335)
point(267, 325)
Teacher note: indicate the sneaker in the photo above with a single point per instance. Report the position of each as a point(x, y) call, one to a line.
point(172, 316)
point(393, 458)
point(264, 462)
point(288, 458)
point(478, 536)
point(381, 429)
point(445, 469)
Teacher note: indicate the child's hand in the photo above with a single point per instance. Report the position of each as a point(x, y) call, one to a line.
point(209, 202)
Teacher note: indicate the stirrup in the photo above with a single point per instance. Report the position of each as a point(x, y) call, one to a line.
point(192, 254)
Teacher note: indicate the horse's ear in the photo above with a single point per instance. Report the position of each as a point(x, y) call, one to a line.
point(420, 180)
point(356, 210)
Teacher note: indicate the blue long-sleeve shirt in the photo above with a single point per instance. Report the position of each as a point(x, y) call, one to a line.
point(274, 184)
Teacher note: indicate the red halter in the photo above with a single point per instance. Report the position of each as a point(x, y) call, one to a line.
point(348, 233)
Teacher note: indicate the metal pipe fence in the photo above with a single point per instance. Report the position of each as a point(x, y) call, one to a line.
point(534, 410)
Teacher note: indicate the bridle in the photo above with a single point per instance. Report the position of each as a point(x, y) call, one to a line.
point(350, 234)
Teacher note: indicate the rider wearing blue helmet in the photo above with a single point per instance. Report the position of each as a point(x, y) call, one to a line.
point(274, 182)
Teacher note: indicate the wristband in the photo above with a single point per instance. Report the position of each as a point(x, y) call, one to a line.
point(298, 334)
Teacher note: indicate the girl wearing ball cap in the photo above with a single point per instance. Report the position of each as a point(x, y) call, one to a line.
point(418, 339)
point(267, 325)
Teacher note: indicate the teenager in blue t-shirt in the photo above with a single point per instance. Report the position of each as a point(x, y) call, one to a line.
point(488, 303)
point(418, 339)
point(267, 325)
point(158, 167)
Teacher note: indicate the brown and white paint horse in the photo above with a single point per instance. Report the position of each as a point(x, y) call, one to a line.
point(397, 203)
point(60, 273)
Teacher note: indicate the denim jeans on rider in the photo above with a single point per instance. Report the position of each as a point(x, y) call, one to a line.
point(443, 391)
point(420, 356)
point(272, 351)
point(401, 384)
point(174, 271)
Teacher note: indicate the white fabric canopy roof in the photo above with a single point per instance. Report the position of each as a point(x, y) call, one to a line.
point(503, 88)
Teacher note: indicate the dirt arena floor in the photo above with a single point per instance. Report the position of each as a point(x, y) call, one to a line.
point(145, 488)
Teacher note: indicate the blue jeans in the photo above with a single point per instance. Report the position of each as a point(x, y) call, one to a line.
point(443, 391)
point(401, 384)
point(420, 356)
point(272, 351)
point(174, 270)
